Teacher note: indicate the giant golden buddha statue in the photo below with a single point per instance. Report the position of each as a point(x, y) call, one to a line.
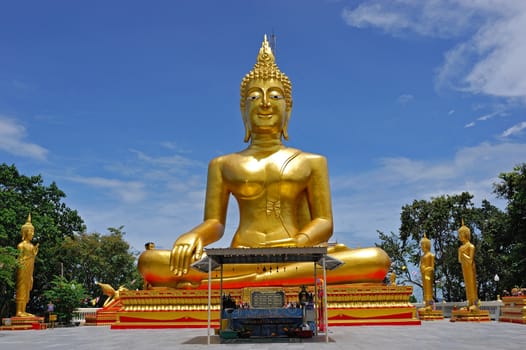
point(283, 196)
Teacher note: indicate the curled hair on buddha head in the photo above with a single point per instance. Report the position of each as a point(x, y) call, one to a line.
point(266, 69)
point(27, 227)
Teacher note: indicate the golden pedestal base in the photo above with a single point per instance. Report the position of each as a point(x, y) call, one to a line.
point(470, 316)
point(348, 305)
point(514, 309)
point(430, 315)
point(23, 323)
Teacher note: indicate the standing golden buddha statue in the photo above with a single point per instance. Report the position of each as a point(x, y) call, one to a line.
point(24, 273)
point(283, 196)
point(427, 270)
point(466, 258)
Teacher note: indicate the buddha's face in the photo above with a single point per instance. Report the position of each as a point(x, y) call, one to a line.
point(425, 246)
point(28, 233)
point(463, 236)
point(265, 107)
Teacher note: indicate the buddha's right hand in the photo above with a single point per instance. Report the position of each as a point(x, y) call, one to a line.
point(187, 249)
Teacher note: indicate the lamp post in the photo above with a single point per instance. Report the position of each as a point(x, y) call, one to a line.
point(496, 278)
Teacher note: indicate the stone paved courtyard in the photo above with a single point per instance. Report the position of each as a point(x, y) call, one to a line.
point(428, 336)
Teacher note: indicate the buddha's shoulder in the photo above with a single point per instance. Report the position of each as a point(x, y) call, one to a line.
point(287, 153)
point(306, 156)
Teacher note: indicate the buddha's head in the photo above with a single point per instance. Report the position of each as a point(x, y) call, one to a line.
point(464, 233)
point(27, 230)
point(265, 90)
point(425, 243)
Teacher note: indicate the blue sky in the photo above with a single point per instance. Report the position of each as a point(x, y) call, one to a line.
point(123, 103)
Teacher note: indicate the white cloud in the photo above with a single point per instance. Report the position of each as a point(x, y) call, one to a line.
point(127, 191)
point(488, 116)
point(13, 140)
point(501, 51)
point(490, 57)
point(171, 161)
point(514, 129)
point(405, 99)
point(438, 18)
point(372, 200)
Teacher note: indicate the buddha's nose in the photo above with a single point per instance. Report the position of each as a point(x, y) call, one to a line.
point(265, 103)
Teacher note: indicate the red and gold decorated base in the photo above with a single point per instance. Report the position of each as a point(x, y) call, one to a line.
point(348, 305)
point(430, 315)
point(370, 305)
point(514, 309)
point(105, 316)
point(464, 315)
point(23, 323)
point(168, 308)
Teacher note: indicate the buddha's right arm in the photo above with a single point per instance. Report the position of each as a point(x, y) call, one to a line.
point(189, 246)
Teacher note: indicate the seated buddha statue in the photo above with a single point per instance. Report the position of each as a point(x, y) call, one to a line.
point(283, 197)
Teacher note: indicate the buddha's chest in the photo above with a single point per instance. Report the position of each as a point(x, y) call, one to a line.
point(248, 177)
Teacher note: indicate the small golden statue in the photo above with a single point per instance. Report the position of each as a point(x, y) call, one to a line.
point(110, 292)
point(427, 269)
point(466, 258)
point(392, 278)
point(24, 273)
point(283, 196)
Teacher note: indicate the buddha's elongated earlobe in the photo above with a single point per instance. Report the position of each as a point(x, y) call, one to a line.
point(247, 133)
point(285, 131)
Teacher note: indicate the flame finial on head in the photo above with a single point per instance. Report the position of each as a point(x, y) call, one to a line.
point(464, 229)
point(27, 225)
point(28, 221)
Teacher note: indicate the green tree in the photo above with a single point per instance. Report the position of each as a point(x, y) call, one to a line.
point(93, 257)
point(513, 188)
point(66, 295)
point(8, 265)
point(492, 255)
point(52, 219)
point(401, 254)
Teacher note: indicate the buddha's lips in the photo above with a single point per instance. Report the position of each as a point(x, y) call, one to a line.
point(265, 116)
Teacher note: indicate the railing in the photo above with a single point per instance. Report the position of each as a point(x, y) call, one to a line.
point(492, 306)
point(79, 315)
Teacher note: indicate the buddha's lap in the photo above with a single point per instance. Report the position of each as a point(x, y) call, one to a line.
point(359, 265)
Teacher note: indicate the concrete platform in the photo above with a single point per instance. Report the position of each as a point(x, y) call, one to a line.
point(430, 335)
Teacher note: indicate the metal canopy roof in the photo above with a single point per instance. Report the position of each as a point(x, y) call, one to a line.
point(216, 257)
point(220, 256)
